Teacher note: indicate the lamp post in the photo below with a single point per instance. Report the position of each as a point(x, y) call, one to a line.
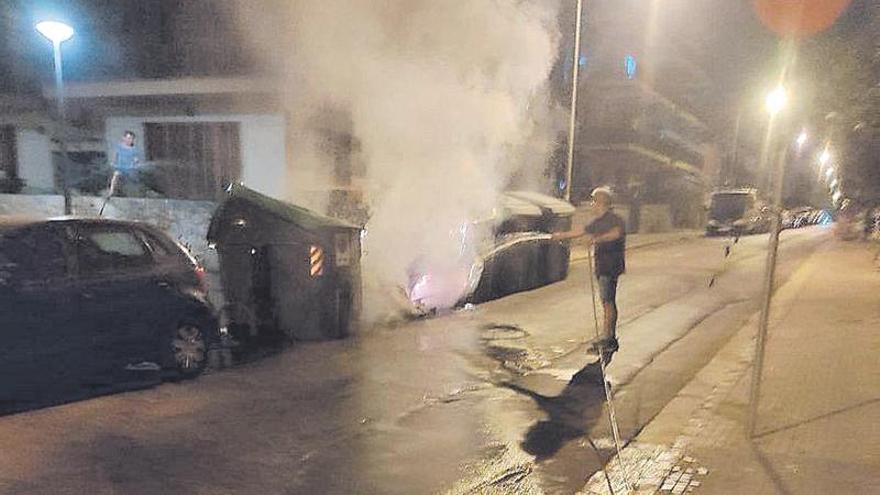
point(824, 157)
point(572, 122)
point(776, 101)
point(57, 33)
point(802, 140)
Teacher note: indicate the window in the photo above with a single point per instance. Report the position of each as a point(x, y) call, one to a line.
point(630, 66)
point(158, 247)
point(118, 243)
point(162, 249)
point(8, 155)
point(194, 160)
point(104, 249)
point(33, 255)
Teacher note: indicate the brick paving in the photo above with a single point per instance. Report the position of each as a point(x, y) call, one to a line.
point(816, 428)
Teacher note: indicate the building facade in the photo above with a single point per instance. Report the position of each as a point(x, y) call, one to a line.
point(638, 129)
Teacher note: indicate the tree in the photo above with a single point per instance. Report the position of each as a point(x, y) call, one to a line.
point(843, 66)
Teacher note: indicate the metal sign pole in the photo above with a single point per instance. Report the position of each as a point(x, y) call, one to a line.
point(767, 295)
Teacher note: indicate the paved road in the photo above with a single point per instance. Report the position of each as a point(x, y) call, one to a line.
point(488, 400)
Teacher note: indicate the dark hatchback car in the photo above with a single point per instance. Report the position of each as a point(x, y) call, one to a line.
point(84, 302)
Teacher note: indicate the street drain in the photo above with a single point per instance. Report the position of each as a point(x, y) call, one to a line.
point(500, 331)
point(516, 359)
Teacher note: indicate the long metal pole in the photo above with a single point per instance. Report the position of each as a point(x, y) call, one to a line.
point(766, 296)
point(62, 124)
point(603, 366)
point(574, 96)
point(59, 80)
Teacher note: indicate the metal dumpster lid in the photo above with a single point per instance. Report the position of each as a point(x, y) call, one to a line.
point(512, 206)
point(305, 218)
point(544, 201)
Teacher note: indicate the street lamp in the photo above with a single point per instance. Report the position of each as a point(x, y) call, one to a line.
point(569, 164)
point(802, 139)
point(824, 157)
point(57, 33)
point(775, 102)
point(776, 99)
point(54, 31)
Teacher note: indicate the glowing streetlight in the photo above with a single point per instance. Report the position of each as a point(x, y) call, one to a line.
point(776, 100)
point(824, 157)
point(802, 139)
point(57, 33)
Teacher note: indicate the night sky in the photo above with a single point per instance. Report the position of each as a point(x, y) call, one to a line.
point(131, 39)
point(112, 36)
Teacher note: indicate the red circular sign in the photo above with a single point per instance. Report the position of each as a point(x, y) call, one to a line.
point(799, 17)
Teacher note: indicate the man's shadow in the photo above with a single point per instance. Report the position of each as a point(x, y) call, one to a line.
point(572, 413)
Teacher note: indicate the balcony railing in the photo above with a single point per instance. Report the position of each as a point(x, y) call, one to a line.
point(607, 136)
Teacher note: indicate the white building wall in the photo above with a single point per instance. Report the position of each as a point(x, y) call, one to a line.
point(35, 160)
point(263, 154)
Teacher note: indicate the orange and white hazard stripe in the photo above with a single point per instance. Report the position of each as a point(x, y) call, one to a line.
point(316, 261)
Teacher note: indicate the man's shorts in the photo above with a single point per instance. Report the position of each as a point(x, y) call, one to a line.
point(608, 288)
point(128, 182)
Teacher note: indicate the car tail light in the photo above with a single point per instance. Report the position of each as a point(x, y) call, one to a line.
point(202, 277)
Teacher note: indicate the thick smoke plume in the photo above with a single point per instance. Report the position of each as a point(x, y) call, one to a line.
point(446, 101)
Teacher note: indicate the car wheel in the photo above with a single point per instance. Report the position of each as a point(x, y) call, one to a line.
point(188, 350)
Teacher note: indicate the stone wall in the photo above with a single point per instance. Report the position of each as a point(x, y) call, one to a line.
point(654, 218)
point(31, 205)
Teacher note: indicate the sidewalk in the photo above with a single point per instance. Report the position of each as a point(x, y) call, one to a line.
point(817, 429)
point(638, 241)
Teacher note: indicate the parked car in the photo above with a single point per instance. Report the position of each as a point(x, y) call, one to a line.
point(84, 300)
point(799, 217)
point(736, 212)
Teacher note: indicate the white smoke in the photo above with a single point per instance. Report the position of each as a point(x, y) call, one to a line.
point(447, 99)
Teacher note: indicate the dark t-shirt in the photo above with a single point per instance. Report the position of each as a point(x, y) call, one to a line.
point(610, 260)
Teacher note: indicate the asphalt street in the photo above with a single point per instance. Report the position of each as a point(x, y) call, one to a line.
point(501, 398)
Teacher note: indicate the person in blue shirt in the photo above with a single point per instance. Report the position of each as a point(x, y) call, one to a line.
point(125, 162)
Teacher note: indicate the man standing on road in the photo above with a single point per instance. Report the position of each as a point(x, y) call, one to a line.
point(608, 234)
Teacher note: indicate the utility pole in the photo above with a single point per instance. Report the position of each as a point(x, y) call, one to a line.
point(57, 33)
point(775, 103)
point(572, 122)
point(62, 119)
